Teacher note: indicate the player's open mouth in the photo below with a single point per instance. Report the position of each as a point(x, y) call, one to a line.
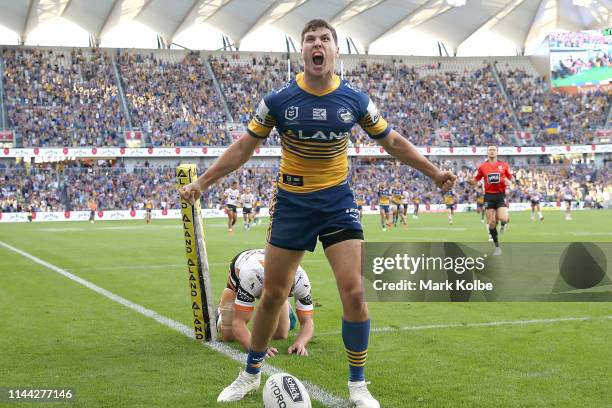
point(318, 58)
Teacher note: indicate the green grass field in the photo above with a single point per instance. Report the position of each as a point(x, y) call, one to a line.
point(593, 75)
point(57, 333)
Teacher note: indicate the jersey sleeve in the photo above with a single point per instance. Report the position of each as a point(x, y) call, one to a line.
point(479, 174)
point(263, 121)
point(249, 288)
point(371, 121)
point(302, 293)
point(507, 171)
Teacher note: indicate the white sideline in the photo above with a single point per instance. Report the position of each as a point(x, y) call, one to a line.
point(482, 324)
point(315, 392)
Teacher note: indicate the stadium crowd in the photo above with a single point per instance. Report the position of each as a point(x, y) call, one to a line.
point(70, 98)
point(62, 98)
point(61, 187)
point(174, 102)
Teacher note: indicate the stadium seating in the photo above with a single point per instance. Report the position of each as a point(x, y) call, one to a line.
point(171, 97)
point(70, 97)
point(60, 187)
point(62, 97)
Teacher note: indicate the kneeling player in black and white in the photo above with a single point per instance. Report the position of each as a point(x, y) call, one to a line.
point(244, 285)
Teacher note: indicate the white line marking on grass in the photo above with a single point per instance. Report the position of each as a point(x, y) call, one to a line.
point(128, 267)
point(472, 325)
point(315, 392)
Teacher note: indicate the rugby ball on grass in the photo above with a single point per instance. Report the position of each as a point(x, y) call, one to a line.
point(283, 390)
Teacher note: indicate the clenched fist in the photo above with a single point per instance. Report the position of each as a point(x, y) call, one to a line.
point(445, 180)
point(191, 192)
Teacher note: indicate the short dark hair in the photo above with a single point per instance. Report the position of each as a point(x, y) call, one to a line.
point(318, 23)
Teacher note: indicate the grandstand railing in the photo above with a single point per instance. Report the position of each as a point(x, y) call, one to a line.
point(502, 89)
point(3, 112)
point(124, 105)
point(69, 153)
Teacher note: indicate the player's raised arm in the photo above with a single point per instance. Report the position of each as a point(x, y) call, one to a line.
point(400, 148)
point(235, 156)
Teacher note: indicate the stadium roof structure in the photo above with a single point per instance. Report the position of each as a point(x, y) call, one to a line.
point(524, 22)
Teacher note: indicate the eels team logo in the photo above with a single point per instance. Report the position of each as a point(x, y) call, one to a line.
point(345, 115)
point(291, 113)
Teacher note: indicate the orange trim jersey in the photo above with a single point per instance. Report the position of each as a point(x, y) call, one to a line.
point(314, 129)
point(249, 268)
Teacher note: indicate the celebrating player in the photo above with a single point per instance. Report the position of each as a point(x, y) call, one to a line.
point(230, 197)
point(496, 175)
point(244, 285)
point(314, 114)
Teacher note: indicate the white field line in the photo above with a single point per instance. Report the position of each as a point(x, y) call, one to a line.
point(475, 325)
point(134, 267)
point(315, 392)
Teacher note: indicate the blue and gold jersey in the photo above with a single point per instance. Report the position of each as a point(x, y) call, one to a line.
point(314, 129)
point(449, 198)
point(384, 198)
point(396, 196)
point(360, 199)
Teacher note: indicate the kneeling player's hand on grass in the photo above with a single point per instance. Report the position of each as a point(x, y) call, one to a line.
point(191, 192)
point(271, 351)
point(445, 180)
point(298, 349)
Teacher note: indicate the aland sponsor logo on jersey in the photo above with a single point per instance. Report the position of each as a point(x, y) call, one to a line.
point(318, 135)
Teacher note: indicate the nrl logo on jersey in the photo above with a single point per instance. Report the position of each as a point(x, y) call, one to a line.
point(291, 113)
point(345, 115)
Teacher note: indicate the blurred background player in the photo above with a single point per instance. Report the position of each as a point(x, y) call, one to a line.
point(405, 201)
point(396, 200)
point(148, 210)
point(567, 195)
point(360, 200)
point(416, 201)
point(230, 197)
point(534, 198)
point(384, 199)
point(496, 175)
point(92, 210)
point(480, 203)
point(244, 285)
point(258, 204)
point(247, 199)
point(449, 201)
